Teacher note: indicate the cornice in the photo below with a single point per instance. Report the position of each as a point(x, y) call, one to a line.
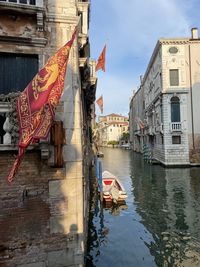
point(83, 5)
point(160, 42)
point(35, 41)
point(174, 41)
point(179, 41)
point(55, 17)
point(176, 91)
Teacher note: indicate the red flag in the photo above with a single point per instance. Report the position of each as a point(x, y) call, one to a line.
point(139, 122)
point(36, 104)
point(100, 103)
point(102, 60)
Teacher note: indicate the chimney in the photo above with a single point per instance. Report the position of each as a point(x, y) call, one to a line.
point(194, 33)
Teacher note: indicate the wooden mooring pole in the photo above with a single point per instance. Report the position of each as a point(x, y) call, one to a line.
point(98, 168)
point(100, 181)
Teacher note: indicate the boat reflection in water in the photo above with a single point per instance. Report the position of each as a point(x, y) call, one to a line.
point(99, 231)
point(115, 209)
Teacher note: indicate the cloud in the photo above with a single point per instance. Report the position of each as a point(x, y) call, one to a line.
point(116, 93)
point(135, 26)
point(131, 29)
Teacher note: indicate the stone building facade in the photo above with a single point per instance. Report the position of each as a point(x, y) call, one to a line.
point(136, 113)
point(43, 218)
point(169, 94)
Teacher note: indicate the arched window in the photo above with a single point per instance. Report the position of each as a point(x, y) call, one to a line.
point(175, 109)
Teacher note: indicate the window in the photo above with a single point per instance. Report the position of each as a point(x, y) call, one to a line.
point(151, 85)
point(162, 139)
point(161, 112)
point(174, 77)
point(161, 83)
point(175, 109)
point(173, 50)
point(16, 71)
point(176, 139)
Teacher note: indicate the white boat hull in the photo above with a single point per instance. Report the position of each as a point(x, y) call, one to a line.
point(113, 190)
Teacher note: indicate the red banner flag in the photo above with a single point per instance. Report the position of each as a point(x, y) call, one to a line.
point(36, 104)
point(139, 122)
point(100, 103)
point(102, 60)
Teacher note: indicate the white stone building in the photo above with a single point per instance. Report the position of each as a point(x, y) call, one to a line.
point(170, 95)
point(112, 127)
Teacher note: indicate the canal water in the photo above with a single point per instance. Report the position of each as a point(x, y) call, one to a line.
point(159, 225)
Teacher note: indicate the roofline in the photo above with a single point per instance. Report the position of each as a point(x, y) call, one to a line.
point(114, 115)
point(155, 52)
point(132, 98)
point(166, 41)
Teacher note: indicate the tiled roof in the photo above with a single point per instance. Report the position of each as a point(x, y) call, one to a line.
point(124, 123)
point(114, 115)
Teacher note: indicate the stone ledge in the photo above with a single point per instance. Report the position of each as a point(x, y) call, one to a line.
point(35, 41)
point(33, 264)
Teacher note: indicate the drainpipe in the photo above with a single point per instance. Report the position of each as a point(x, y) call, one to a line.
point(192, 115)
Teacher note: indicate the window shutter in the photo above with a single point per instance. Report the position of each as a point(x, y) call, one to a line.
point(16, 71)
point(174, 77)
point(58, 140)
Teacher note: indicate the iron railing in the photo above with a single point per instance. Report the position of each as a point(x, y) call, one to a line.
point(24, 2)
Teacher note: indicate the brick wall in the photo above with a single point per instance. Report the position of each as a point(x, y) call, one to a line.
point(25, 214)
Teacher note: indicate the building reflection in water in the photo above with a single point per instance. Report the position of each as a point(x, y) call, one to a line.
point(158, 226)
point(168, 201)
point(98, 232)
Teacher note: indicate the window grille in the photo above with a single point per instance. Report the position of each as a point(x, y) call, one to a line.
point(176, 139)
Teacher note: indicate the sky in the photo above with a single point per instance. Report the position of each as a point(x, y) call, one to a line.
point(130, 29)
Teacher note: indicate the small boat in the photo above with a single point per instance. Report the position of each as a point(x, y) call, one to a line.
point(126, 146)
point(113, 190)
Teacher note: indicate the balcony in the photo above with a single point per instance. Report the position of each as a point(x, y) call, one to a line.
point(8, 121)
point(83, 11)
point(38, 3)
point(88, 72)
point(92, 64)
point(176, 127)
point(18, 7)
